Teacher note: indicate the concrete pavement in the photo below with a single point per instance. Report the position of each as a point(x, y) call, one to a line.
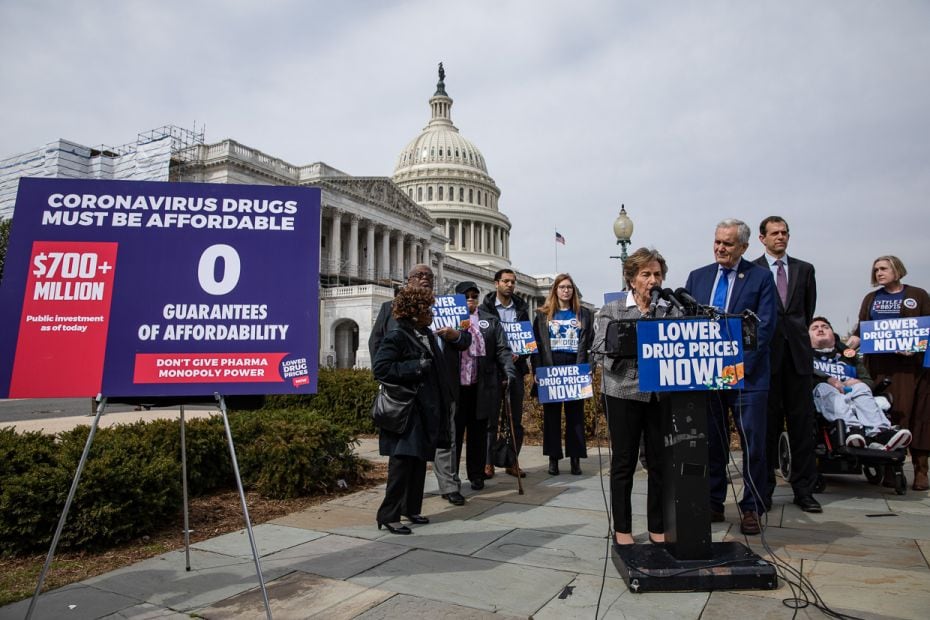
point(504, 555)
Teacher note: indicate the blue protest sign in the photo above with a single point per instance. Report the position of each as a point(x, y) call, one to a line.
point(520, 337)
point(449, 311)
point(907, 335)
point(560, 383)
point(838, 370)
point(609, 297)
point(689, 354)
point(160, 289)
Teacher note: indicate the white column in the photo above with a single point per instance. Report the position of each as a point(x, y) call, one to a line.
point(471, 236)
point(411, 253)
point(385, 271)
point(440, 263)
point(335, 252)
point(370, 244)
point(399, 257)
point(353, 245)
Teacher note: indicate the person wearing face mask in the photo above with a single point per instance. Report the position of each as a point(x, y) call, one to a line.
point(910, 383)
point(484, 368)
point(632, 414)
point(564, 331)
point(408, 355)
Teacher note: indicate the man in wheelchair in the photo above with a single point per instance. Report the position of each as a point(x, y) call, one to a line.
point(843, 391)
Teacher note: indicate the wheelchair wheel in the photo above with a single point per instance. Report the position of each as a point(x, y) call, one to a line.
point(784, 456)
point(873, 474)
point(821, 484)
point(900, 483)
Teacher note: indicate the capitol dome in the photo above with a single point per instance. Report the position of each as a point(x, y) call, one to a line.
point(447, 175)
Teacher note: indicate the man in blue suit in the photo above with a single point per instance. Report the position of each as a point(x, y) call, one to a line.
point(734, 285)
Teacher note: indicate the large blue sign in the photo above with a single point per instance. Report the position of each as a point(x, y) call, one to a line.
point(160, 289)
point(906, 335)
point(557, 384)
point(689, 354)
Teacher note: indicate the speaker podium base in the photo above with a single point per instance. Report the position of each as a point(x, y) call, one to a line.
point(732, 566)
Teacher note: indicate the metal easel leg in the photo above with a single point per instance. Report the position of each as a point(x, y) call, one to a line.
point(245, 509)
point(101, 407)
point(187, 529)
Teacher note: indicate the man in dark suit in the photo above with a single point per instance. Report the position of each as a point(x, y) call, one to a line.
point(734, 285)
point(451, 342)
point(790, 391)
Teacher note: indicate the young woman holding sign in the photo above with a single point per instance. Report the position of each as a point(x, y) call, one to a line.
point(632, 414)
point(564, 330)
point(910, 382)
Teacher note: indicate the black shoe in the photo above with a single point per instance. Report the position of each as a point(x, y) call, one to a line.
point(553, 466)
point(576, 466)
point(418, 519)
point(477, 484)
point(808, 503)
point(403, 529)
point(456, 498)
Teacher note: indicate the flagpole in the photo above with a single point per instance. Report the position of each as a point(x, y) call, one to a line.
point(555, 232)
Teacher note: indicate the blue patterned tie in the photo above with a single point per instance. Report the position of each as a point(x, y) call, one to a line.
point(720, 293)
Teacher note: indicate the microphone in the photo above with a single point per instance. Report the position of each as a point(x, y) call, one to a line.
point(654, 295)
point(686, 297)
point(669, 296)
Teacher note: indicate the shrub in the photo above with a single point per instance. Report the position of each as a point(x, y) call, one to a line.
point(344, 396)
point(289, 453)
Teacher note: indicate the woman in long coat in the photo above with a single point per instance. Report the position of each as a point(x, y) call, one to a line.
point(484, 365)
point(910, 382)
point(409, 355)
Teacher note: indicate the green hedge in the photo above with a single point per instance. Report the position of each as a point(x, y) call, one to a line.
point(131, 484)
point(344, 397)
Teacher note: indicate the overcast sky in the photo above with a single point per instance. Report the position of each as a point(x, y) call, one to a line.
point(687, 112)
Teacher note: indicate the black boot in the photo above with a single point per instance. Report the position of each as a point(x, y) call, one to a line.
point(576, 465)
point(553, 466)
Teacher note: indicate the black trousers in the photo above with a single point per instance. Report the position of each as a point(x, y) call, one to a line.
point(791, 407)
point(627, 421)
point(466, 421)
point(574, 429)
point(403, 494)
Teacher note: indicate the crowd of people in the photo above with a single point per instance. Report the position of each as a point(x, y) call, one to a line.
point(798, 370)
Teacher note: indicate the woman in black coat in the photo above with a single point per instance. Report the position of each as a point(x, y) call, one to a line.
point(408, 355)
point(483, 366)
point(564, 332)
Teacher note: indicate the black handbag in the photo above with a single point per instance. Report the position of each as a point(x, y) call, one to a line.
point(503, 452)
point(393, 407)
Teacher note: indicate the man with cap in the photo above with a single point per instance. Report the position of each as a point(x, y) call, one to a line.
point(449, 341)
point(484, 367)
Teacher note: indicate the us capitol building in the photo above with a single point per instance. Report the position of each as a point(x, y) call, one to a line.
point(440, 207)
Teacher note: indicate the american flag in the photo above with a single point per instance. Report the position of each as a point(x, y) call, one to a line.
point(559, 238)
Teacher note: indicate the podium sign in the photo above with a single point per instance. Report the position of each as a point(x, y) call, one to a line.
point(139, 289)
point(689, 354)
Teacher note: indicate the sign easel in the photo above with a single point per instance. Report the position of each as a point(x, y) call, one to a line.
point(158, 292)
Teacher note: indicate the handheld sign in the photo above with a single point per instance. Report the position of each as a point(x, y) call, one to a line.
point(689, 354)
point(907, 335)
point(520, 337)
point(609, 297)
point(449, 311)
point(130, 288)
point(561, 383)
point(836, 369)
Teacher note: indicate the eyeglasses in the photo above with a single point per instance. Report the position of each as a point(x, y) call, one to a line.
point(471, 295)
point(565, 287)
